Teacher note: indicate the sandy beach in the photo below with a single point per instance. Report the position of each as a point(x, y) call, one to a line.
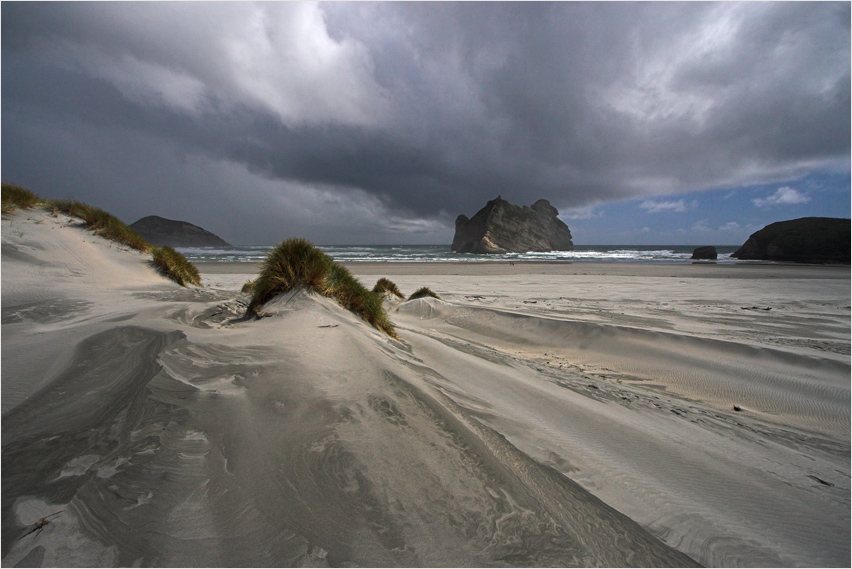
point(543, 414)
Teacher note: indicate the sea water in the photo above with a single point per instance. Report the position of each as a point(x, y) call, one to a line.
point(442, 253)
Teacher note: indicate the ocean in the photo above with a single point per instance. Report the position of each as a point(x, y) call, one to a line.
point(442, 254)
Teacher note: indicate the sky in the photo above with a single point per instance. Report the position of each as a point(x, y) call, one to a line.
point(379, 123)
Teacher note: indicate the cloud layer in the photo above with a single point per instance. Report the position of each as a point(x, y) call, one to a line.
point(406, 114)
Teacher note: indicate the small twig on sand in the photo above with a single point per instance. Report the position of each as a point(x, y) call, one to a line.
point(39, 525)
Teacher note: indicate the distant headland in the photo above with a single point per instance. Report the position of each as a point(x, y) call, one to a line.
point(161, 231)
point(803, 240)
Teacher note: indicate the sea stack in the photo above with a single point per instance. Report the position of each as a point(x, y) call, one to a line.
point(708, 252)
point(803, 240)
point(160, 231)
point(501, 227)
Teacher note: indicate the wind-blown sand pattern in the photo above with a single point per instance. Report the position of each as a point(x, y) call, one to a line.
point(532, 416)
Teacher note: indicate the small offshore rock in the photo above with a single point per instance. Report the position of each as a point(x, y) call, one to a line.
point(707, 252)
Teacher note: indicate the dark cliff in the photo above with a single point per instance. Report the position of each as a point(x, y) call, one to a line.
point(160, 231)
point(501, 227)
point(803, 240)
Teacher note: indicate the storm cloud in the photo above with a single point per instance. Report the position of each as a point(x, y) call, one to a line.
point(366, 122)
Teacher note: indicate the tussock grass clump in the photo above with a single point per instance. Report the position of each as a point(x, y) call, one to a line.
point(248, 286)
point(175, 266)
point(293, 263)
point(352, 295)
point(422, 292)
point(102, 223)
point(15, 196)
point(387, 286)
point(296, 263)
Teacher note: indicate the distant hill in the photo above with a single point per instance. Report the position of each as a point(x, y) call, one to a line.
point(160, 231)
point(803, 240)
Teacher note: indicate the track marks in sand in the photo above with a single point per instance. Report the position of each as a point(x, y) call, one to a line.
point(803, 391)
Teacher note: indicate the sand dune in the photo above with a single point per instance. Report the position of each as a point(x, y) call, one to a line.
point(170, 431)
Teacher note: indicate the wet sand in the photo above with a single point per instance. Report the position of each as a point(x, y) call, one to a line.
point(543, 414)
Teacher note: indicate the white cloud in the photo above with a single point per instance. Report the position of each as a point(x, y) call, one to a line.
point(701, 226)
point(652, 206)
point(284, 60)
point(730, 226)
point(651, 94)
point(783, 196)
point(584, 212)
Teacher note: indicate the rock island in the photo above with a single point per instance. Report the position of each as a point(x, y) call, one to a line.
point(501, 227)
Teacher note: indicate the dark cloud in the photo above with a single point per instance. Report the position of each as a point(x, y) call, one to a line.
point(405, 114)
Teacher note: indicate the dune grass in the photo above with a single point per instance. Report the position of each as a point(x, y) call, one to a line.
point(297, 263)
point(387, 286)
point(170, 263)
point(423, 292)
point(15, 197)
point(175, 266)
point(248, 286)
point(102, 223)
